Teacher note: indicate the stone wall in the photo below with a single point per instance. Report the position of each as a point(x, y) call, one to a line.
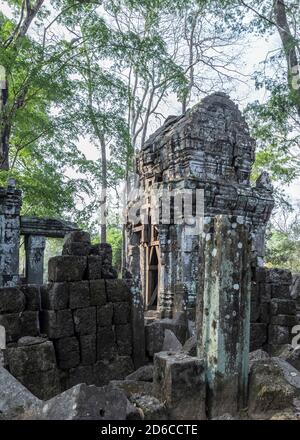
point(273, 310)
point(77, 328)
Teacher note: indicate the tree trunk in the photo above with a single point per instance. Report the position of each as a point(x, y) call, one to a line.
point(4, 126)
point(103, 191)
point(290, 46)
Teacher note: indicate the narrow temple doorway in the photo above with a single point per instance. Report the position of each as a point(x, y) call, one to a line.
point(153, 271)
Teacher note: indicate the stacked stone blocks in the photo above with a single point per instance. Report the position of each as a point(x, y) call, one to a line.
point(74, 329)
point(273, 311)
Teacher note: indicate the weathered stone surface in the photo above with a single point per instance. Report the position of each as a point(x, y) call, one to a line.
point(104, 250)
point(108, 272)
point(15, 398)
point(43, 384)
point(30, 324)
point(55, 296)
point(79, 294)
point(117, 291)
point(151, 408)
point(284, 320)
point(273, 385)
point(77, 237)
point(31, 340)
point(94, 267)
point(105, 315)
point(32, 296)
point(85, 320)
point(223, 336)
point(179, 381)
point(278, 276)
point(171, 343)
point(121, 313)
point(281, 291)
point(76, 248)
point(290, 355)
point(144, 373)
point(67, 352)
point(155, 333)
point(98, 292)
point(106, 343)
point(81, 374)
point(57, 324)
point(88, 349)
point(116, 369)
point(279, 334)
point(257, 355)
point(190, 346)
point(124, 339)
point(131, 387)
point(258, 335)
point(26, 359)
point(84, 402)
point(283, 307)
point(66, 268)
point(12, 324)
point(12, 300)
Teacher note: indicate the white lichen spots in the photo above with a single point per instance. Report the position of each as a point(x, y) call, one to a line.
point(234, 225)
point(234, 313)
point(236, 286)
point(203, 235)
point(206, 220)
point(214, 252)
point(227, 317)
point(240, 245)
point(240, 220)
point(208, 237)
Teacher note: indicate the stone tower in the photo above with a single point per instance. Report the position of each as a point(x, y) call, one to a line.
point(208, 151)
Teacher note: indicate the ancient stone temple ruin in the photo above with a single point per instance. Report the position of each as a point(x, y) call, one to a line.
point(171, 340)
point(208, 148)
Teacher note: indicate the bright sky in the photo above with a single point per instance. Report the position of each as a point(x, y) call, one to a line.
point(256, 52)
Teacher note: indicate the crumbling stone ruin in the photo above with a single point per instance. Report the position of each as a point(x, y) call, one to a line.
point(198, 328)
point(208, 148)
point(74, 329)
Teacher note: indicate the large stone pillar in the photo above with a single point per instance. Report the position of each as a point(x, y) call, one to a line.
point(10, 205)
point(223, 336)
point(34, 250)
point(135, 254)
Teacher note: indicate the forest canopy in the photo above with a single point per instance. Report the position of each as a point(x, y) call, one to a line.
point(84, 83)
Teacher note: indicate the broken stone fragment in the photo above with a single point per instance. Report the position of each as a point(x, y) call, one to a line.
point(273, 386)
point(190, 346)
point(257, 355)
point(150, 407)
point(15, 398)
point(144, 373)
point(179, 381)
point(171, 343)
point(290, 355)
point(87, 402)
